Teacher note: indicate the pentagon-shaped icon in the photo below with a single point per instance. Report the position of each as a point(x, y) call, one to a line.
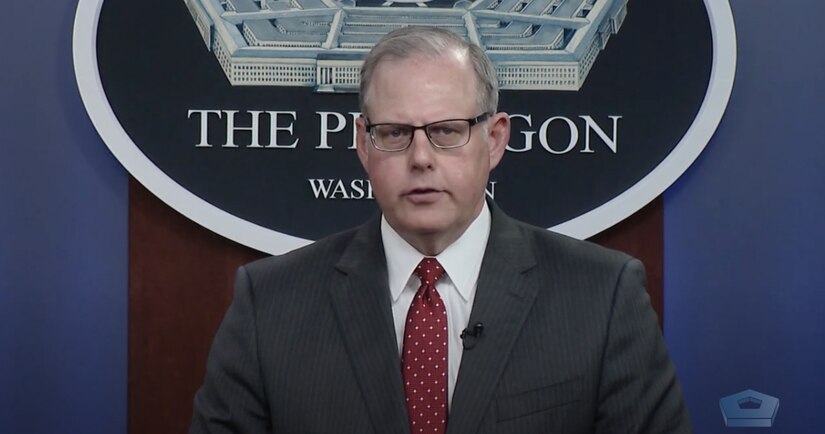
point(749, 408)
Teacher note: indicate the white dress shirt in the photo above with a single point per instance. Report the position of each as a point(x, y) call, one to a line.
point(462, 263)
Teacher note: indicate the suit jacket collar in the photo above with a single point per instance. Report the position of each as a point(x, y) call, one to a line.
point(503, 298)
point(361, 300)
point(362, 304)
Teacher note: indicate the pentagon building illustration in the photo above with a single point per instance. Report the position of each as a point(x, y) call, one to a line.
point(534, 44)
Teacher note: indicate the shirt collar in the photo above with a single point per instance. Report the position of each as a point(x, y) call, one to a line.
point(461, 259)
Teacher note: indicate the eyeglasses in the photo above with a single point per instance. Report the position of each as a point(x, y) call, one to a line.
point(446, 134)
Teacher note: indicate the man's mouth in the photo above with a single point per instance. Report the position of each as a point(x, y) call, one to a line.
point(423, 195)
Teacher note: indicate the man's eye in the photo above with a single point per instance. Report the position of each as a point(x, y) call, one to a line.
point(392, 132)
point(443, 130)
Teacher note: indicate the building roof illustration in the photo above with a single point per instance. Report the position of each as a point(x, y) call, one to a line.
point(535, 44)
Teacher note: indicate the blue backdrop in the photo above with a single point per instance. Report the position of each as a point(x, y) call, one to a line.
point(63, 229)
point(744, 230)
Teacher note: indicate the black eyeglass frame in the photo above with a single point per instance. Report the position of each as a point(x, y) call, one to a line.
point(472, 121)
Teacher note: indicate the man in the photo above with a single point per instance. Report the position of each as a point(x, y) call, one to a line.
point(528, 332)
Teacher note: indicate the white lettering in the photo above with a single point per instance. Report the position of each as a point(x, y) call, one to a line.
point(357, 187)
point(274, 128)
point(330, 189)
point(491, 189)
point(231, 128)
point(341, 123)
point(332, 125)
point(320, 187)
point(355, 116)
point(590, 124)
point(339, 189)
point(204, 143)
point(574, 135)
point(528, 135)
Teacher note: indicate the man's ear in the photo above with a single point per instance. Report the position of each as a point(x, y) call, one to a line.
point(498, 136)
point(361, 140)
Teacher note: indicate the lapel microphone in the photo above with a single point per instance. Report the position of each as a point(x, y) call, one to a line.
point(471, 335)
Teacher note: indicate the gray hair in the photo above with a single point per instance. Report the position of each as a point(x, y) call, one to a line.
point(432, 42)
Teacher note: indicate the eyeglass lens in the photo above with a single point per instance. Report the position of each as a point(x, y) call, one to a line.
point(446, 134)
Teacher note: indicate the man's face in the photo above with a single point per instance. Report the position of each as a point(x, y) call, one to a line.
point(428, 195)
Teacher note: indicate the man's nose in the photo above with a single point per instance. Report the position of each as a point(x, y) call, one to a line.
point(421, 150)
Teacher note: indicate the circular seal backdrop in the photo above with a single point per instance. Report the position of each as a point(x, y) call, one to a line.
point(183, 94)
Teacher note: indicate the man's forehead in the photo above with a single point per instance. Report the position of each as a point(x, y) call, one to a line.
point(454, 55)
point(394, 79)
point(423, 69)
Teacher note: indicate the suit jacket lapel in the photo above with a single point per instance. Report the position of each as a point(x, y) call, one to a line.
point(502, 302)
point(361, 300)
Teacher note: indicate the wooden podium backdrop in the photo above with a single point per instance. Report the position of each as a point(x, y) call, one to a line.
point(180, 284)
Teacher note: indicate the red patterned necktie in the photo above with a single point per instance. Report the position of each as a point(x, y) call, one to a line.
point(424, 356)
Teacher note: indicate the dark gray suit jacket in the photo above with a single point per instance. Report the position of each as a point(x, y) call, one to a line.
point(570, 344)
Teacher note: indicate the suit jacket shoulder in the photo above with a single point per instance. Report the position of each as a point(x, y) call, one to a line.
point(571, 342)
point(308, 260)
point(307, 345)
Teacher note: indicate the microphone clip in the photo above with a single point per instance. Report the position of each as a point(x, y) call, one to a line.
point(471, 335)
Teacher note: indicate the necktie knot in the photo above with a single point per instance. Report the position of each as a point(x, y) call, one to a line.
point(429, 271)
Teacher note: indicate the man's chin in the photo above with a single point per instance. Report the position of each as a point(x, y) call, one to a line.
point(425, 229)
point(422, 228)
